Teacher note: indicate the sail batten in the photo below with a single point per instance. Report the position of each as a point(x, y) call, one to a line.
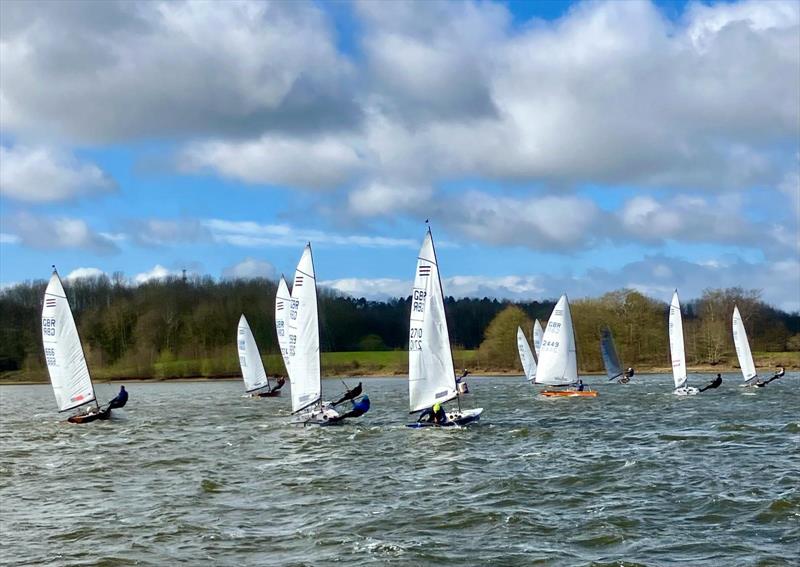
point(431, 375)
point(525, 355)
point(303, 335)
point(676, 345)
point(743, 352)
point(610, 357)
point(253, 372)
point(558, 362)
point(66, 361)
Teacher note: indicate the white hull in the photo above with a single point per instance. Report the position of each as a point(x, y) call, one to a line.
point(316, 415)
point(686, 391)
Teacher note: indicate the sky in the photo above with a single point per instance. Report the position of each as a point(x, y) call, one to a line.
point(555, 147)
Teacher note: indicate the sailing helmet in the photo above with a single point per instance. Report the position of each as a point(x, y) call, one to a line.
point(437, 406)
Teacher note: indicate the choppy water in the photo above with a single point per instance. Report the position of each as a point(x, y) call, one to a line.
point(193, 473)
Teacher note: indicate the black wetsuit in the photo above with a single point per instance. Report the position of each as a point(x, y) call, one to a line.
point(715, 384)
point(120, 400)
point(350, 395)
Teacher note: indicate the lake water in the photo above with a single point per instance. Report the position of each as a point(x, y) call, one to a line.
point(195, 474)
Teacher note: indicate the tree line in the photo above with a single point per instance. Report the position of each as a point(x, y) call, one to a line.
point(194, 319)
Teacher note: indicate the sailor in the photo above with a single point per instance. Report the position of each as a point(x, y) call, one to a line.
point(438, 415)
point(120, 400)
point(714, 384)
point(462, 386)
point(580, 386)
point(350, 395)
point(279, 385)
point(779, 374)
point(629, 372)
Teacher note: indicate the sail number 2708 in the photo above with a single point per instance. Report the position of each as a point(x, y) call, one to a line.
point(415, 339)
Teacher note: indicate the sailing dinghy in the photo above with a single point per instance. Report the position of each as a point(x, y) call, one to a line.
point(611, 359)
point(676, 349)
point(431, 374)
point(526, 356)
point(253, 373)
point(538, 333)
point(743, 350)
point(558, 360)
point(66, 361)
point(302, 324)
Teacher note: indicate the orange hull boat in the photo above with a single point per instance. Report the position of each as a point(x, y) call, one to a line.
point(569, 394)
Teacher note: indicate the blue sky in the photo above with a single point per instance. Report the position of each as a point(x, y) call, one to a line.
point(556, 146)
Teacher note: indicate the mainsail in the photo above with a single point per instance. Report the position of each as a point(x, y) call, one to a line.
point(253, 372)
point(676, 347)
point(609, 351)
point(431, 377)
point(304, 335)
point(558, 363)
point(743, 347)
point(525, 355)
point(66, 362)
point(283, 303)
point(538, 333)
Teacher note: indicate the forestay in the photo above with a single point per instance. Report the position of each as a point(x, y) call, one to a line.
point(676, 347)
point(525, 355)
point(63, 352)
point(743, 347)
point(538, 333)
point(431, 377)
point(609, 351)
point(283, 302)
point(558, 363)
point(304, 335)
point(253, 372)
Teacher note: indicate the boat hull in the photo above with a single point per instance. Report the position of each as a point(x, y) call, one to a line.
point(686, 391)
point(569, 394)
point(454, 419)
point(271, 394)
point(317, 416)
point(90, 417)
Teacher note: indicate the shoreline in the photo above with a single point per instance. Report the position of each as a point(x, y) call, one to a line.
point(354, 376)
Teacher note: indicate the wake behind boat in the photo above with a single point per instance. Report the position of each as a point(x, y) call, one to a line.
point(558, 361)
point(66, 361)
point(302, 344)
point(431, 373)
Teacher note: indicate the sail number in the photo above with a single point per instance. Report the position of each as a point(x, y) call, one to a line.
point(415, 339)
point(49, 326)
point(418, 301)
point(293, 309)
point(50, 355)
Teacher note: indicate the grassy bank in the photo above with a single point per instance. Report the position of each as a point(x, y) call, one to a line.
point(357, 363)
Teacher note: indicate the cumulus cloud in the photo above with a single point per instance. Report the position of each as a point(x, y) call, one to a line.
point(250, 268)
point(158, 272)
point(44, 175)
point(79, 273)
point(311, 163)
point(52, 233)
point(171, 69)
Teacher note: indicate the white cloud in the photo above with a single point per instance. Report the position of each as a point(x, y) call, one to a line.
point(6, 238)
point(52, 233)
point(170, 69)
point(79, 273)
point(158, 272)
point(250, 268)
point(387, 199)
point(44, 175)
point(159, 232)
point(311, 163)
point(250, 234)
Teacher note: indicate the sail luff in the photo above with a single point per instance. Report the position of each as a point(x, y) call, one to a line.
point(743, 352)
point(676, 344)
point(64, 354)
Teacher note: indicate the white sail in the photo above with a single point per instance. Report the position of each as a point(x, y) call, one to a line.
point(743, 347)
point(304, 335)
point(253, 372)
point(431, 377)
point(283, 303)
point(558, 363)
point(676, 346)
point(63, 352)
point(538, 333)
point(525, 355)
